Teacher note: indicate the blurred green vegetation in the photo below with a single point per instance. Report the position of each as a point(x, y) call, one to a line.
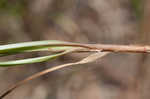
point(15, 7)
point(138, 7)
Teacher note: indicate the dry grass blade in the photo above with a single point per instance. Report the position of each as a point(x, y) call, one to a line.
point(88, 59)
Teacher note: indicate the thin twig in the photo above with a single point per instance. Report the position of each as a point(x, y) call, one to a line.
point(110, 47)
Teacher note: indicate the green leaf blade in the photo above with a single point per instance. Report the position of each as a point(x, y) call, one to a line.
point(30, 60)
point(48, 45)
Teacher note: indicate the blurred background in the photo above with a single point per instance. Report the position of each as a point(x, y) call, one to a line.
point(117, 76)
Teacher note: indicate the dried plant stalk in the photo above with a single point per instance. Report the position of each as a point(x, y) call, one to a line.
point(88, 59)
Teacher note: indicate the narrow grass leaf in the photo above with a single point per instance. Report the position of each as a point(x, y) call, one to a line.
point(31, 46)
point(30, 60)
